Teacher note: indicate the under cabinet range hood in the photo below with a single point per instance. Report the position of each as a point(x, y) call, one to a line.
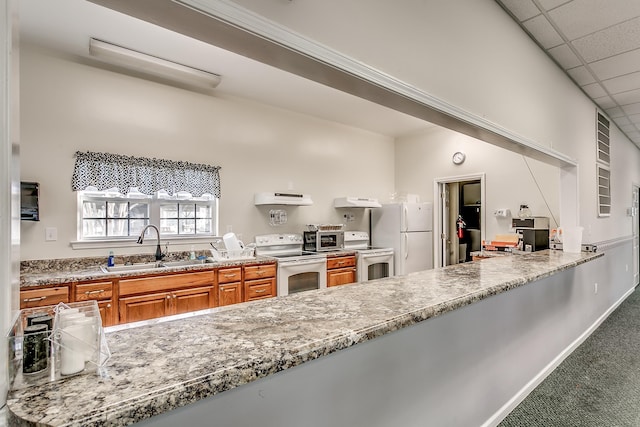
point(356, 202)
point(291, 199)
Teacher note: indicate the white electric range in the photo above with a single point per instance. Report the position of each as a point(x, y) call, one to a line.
point(372, 263)
point(298, 270)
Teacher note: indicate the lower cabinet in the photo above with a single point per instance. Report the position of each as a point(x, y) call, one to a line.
point(142, 298)
point(341, 270)
point(31, 298)
point(150, 297)
point(102, 292)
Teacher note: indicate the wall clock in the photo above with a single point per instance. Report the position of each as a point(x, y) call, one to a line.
point(458, 157)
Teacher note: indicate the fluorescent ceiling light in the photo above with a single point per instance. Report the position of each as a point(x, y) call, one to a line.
point(148, 64)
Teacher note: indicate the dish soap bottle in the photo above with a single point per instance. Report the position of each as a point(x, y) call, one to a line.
point(111, 260)
point(193, 254)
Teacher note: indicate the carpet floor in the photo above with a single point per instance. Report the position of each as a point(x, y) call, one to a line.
point(597, 385)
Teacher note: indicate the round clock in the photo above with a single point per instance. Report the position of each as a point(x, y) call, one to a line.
point(458, 157)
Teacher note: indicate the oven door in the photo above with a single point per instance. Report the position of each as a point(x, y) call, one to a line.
point(301, 275)
point(375, 265)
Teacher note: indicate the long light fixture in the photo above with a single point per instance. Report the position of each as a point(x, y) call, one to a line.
point(152, 65)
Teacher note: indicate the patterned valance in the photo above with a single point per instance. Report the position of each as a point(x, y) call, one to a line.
point(104, 171)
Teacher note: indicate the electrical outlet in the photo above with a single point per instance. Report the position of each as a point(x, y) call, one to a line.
point(595, 288)
point(50, 234)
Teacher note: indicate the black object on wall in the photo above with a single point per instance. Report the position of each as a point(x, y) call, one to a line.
point(29, 201)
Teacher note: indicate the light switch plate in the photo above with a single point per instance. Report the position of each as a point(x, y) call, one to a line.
point(50, 234)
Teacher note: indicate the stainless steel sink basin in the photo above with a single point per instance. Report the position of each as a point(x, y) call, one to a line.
point(122, 268)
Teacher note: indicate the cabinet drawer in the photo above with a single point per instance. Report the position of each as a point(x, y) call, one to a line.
point(341, 262)
point(42, 297)
point(228, 275)
point(259, 271)
point(258, 289)
point(165, 283)
point(93, 291)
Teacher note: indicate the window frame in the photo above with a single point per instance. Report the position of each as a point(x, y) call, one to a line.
point(154, 218)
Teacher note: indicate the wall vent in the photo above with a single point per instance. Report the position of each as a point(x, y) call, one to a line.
point(604, 190)
point(602, 139)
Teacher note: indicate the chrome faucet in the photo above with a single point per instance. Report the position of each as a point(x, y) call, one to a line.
point(159, 254)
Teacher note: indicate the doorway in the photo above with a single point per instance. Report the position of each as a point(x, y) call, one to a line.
point(459, 218)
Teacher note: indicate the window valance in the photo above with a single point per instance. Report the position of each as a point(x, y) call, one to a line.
point(104, 171)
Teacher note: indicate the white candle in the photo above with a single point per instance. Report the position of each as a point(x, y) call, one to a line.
point(72, 351)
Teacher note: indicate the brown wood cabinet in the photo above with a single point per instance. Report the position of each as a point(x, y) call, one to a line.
point(103, 293)
point(229, 286)
point(30, 298)
point(150, 297)
point(259, 282)
point(341, 270)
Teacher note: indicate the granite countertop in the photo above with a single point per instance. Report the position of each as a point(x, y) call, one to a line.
point(61, 272)
point(164, 365)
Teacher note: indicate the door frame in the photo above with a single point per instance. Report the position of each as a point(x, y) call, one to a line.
point(635, 231)
point(438, 231)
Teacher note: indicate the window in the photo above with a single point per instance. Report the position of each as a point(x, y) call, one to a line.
point(104, 213)
point(103, 216)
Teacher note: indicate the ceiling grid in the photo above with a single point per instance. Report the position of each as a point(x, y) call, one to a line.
point(597, 43)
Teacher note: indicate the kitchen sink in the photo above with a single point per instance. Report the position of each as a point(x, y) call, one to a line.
point(123, 268)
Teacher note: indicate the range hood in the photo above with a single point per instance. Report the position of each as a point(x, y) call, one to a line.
point(356, 202)
point(291, 199)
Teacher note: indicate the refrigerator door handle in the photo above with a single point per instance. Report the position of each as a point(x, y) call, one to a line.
point(405, 214)
point(406, 245)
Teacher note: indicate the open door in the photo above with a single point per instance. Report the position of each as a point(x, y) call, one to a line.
point(458, 198)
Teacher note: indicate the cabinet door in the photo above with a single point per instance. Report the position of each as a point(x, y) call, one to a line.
point(41, 297)
point(229, 293)
point(144, 307)
point(341, 276)
point(259, 289)
point(107, 313)
point(194, 299)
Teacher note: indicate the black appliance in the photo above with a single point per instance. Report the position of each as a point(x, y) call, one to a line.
point(29, 203)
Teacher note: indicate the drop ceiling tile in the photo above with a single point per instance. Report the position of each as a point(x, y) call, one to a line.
point(615, 112)
point(623, 83)
point(581, 75)
point(577, 18)
point(628, 128)
point(565, 56)
point(631, 108)
point(594, 90)
point(635, 118)
point(551, 4)
point(626, 98)
point(618, 65)
point(605, 102)
point(543, 32)
point(614, 40)
point(623, 121)
point(522, 9)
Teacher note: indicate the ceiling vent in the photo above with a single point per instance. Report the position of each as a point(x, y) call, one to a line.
point(602, 139)
point(604, 191)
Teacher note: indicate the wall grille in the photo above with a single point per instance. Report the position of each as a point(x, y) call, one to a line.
point(604, 190)
point(602, 139)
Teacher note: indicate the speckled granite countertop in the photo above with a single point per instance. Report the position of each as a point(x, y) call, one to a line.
point(165, 365)
point(61, 272)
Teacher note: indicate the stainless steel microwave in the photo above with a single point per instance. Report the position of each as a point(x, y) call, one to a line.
point(319, 241)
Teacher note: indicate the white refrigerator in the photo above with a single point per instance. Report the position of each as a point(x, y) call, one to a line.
point(408, 229)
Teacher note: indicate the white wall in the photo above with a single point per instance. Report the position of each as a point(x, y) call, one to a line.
point(68, 107)
point(472, 55)
point(425, 156)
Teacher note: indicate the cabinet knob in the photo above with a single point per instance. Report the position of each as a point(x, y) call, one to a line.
point(109, 305)
point(168, 296)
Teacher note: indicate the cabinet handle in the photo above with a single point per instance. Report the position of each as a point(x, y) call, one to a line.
point(260, 291)
point(94, 292)
point(341, 262)
point(175, 296)
point(34, 299)
point(260, 273)
point(228, 276)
